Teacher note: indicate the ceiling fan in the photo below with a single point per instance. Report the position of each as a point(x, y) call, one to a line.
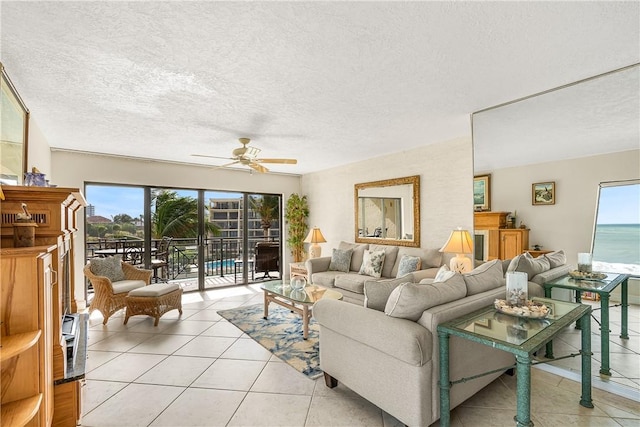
point(248, 156)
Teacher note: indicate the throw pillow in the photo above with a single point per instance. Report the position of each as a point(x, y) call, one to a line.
point(358, 253)
point(530, 265)
point(341, 260)
point(372, 263)
point(109, 267)
point(485, 277)
point(410, 300)
point(443, 274)
point(408, 264)
point(556, 259)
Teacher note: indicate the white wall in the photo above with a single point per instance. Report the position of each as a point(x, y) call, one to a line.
point(446, 191)
point(74, 169)
point(567, 225)
point(38, 152)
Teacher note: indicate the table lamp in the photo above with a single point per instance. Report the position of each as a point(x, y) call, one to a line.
point(314, 237)
point(460, 243)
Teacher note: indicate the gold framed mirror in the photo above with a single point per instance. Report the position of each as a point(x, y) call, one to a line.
point(387, 212)
point(13, 134)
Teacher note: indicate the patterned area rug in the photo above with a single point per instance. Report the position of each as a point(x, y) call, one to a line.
point(281, 334)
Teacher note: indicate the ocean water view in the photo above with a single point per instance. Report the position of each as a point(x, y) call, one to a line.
point(617, 248)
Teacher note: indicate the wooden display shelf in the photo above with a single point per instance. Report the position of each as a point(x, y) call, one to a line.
point(20, 412)
point(13, 345)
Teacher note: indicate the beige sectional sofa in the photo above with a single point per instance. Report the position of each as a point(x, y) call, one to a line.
point(393, 361)
point(351, 283)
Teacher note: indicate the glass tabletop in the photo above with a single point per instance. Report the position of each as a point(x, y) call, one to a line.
point(308, 295)
point(490, 323)
point(590, 285)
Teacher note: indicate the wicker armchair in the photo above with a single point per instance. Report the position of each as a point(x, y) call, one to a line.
point(110, 297)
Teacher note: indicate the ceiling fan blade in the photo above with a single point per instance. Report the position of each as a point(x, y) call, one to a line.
point(282, 161)
point(228, 164)
point(212, 157)
point(258, 167)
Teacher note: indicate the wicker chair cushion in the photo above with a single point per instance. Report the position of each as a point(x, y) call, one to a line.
point(109, 267)
point(155, 290)
point(124, 286)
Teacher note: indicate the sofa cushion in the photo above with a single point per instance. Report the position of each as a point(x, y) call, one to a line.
point(351, 282)
point(528, 264)
point(358, 253)
point(408, 264)
point(325, 278)
point(410, 300)
point(390, 256)
point(372, 263)
point(556, 259)
point(429, 258)
point(376, 292)
point(109, 267)
point(341, 260)
point(124, 286)
point(485, 277)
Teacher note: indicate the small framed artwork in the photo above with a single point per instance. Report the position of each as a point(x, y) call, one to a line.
point(482, 193)
point(543, 193)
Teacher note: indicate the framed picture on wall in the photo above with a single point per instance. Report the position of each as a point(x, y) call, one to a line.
point(482, 193)
point(543, 193)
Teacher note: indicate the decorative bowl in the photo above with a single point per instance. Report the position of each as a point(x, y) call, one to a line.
point(530, 310)
point(298, 283)
point(582, 275)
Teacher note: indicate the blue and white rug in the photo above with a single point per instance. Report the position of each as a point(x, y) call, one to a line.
point(281, 334)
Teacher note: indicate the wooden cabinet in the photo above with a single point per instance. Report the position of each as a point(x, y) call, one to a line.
point(500, 242)
point(25, 310)
point(54, 210)
point(513, 241)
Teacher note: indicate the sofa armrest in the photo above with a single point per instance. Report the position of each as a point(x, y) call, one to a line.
point(400, 338)
point(316, 265)
point(427, 273)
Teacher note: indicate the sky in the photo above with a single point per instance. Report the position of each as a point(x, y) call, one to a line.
point(619, 205)
point(110, 201)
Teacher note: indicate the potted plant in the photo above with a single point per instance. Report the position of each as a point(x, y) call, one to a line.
point(296, 214)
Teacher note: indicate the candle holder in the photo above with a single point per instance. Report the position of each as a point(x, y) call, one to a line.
point(517, 292)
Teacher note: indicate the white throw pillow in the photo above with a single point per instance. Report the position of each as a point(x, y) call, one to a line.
point(443, 274)
point(372, 263)
point(410, 300)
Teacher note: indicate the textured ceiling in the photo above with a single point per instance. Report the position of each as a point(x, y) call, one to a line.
point(328, 83)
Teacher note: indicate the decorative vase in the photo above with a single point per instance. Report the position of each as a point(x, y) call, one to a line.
point(584, 262)
point(298, 283)
point(24, 234)
point(517, 291)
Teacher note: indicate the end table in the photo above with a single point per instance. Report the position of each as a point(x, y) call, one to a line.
point(298, 269)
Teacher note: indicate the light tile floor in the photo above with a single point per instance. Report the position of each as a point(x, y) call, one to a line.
point(199, 370)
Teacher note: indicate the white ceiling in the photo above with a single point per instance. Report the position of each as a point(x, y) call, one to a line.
point(328, 83)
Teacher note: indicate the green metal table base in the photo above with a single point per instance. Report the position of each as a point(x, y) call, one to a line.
point(523, 377)
point(605, 368)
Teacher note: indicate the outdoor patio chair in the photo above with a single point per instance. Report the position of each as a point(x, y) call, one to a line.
point(161, 260)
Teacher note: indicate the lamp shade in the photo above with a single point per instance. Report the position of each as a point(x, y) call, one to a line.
point(315, 236)
point(459, 242)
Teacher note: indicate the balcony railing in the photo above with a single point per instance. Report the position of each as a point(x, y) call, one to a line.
point(222, 255)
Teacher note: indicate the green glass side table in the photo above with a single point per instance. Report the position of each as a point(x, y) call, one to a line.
point(522, 338)
point(603, 288)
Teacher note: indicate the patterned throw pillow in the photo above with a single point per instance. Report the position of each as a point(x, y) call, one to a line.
point(443, 274)
point(408, 264)
point(109, 267)
point(341, 260)
point(372, 263)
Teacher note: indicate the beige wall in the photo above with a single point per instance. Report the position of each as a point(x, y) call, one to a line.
point(446, 191)
point(567, 225)
point(74, 169)
point(38, 152)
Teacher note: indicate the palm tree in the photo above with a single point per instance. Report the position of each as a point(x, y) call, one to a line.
point(267, 207)
point(177, 216)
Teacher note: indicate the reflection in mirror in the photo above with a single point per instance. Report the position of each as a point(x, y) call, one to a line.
point(13, 133)
point(387, 212)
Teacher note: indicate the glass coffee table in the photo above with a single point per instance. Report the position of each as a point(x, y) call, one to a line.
point(298, 301)
point(602, 287)
point(520, 336)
